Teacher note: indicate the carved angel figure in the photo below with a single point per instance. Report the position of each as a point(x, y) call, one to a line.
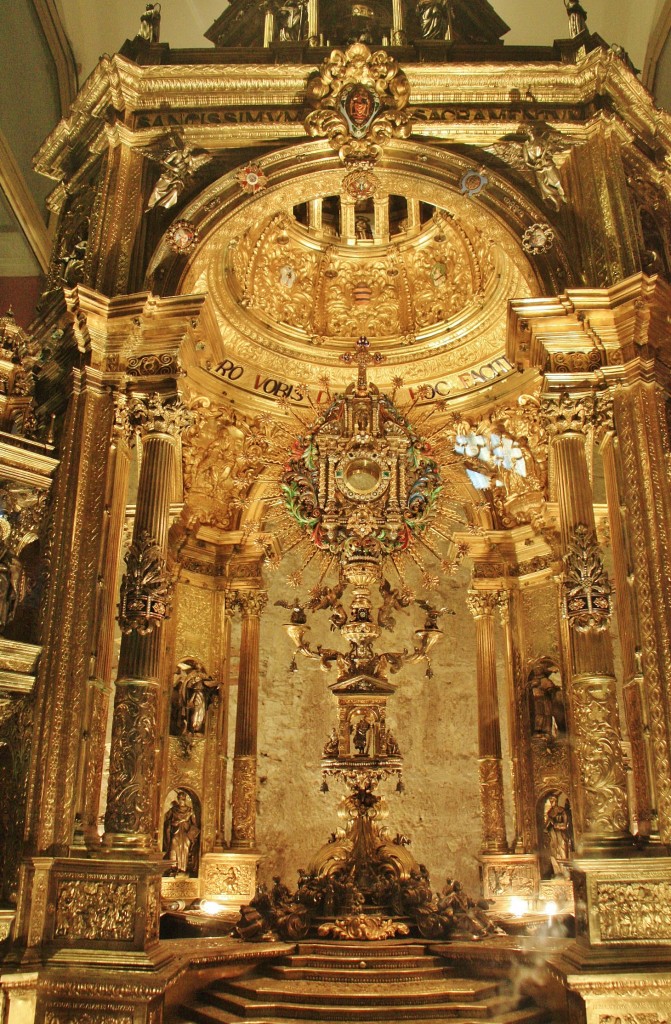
point(534, 150)
point(150, 23)
point(179, 164)
point(192, 692)
point(329, 597)
point(392, 599)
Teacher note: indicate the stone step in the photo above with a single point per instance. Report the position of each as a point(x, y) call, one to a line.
point(203, 1013)
point(365, 1014)
point(362, 950)
point(365, 962)
point(356, 992)
point(355, 973)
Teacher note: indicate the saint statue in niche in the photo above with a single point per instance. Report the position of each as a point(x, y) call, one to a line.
point(546, 702)
point(434, 19)
point(557, 826)
point(192, 691)
point(180, 835)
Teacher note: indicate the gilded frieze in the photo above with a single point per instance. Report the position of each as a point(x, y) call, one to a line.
point(630, 911)
point(95, 909)
point(86, 1013)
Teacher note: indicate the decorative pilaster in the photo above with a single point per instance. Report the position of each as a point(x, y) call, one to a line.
point(635, 702)
point(130, 822)
point(481, 604)
point(599, 798)
point(243, 826)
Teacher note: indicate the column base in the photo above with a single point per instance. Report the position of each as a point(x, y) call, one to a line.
point(510, 877)
point(101, 911)
point(622, 904)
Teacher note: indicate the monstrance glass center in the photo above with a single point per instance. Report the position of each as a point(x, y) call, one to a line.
point(362, 475)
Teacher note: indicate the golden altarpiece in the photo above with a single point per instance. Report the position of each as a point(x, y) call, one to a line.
point(493, 222)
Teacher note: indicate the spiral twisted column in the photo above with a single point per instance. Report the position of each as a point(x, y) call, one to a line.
point(599, 787)
point(482, 604)
point(131, 818)
point(250, 603)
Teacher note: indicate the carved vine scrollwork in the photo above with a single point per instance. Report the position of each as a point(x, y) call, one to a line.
point(586, 587)
point(244, 800)
point(133, 761)
point(146, 587)
point(600, 756)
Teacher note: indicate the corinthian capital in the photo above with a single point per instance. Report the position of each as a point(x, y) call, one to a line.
point(248, 602)
point(565, 414)
point(483, 602)
point(158, 414)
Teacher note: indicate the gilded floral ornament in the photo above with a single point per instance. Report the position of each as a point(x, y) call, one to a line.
point(252, 179)
point(156, 414)
point(538, 239)
point(360, 100)
point(360, 183)
point(146, 588)
point(587, 588)
point(182, 237)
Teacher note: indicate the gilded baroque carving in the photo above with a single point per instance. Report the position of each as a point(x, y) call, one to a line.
point(179, 164)
point(223, 455)
point(81, 1014)
point(640, 1017)
point(153, 365)
point(229, 879)
point(95, 909)
point(133, 761)
point(597, 743)
point(482, 602)
point(146, 587)
point(244, 800)
point(586, 587)
point(248, 602)
point(575, 362)
point(565, 414)
point(630, 911)
point(156, 414)
point(361, 103)
point(493, 811)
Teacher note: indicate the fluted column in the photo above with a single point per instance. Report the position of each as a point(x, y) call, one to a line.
point(481, 604)
point(397, 23)
point(130, 822)
point(243, 826)
point(313, 22)
point(600, 812)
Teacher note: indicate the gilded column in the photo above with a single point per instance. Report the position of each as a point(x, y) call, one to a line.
point(313, 22)
point(100, 683)
point(641, 432)
point(130, 822)
point(481, 604)
point(397, 23)
point(243, 826)
point(635, 703)
point(600, 811)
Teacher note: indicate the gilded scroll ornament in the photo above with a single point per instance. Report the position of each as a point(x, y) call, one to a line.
point(360, 100)
point(133, 761)
point(146, 587)
point(586, 587)
point(90, 909)
point(162, 364)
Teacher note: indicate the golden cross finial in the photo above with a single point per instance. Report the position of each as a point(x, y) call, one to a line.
point(363, 357)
